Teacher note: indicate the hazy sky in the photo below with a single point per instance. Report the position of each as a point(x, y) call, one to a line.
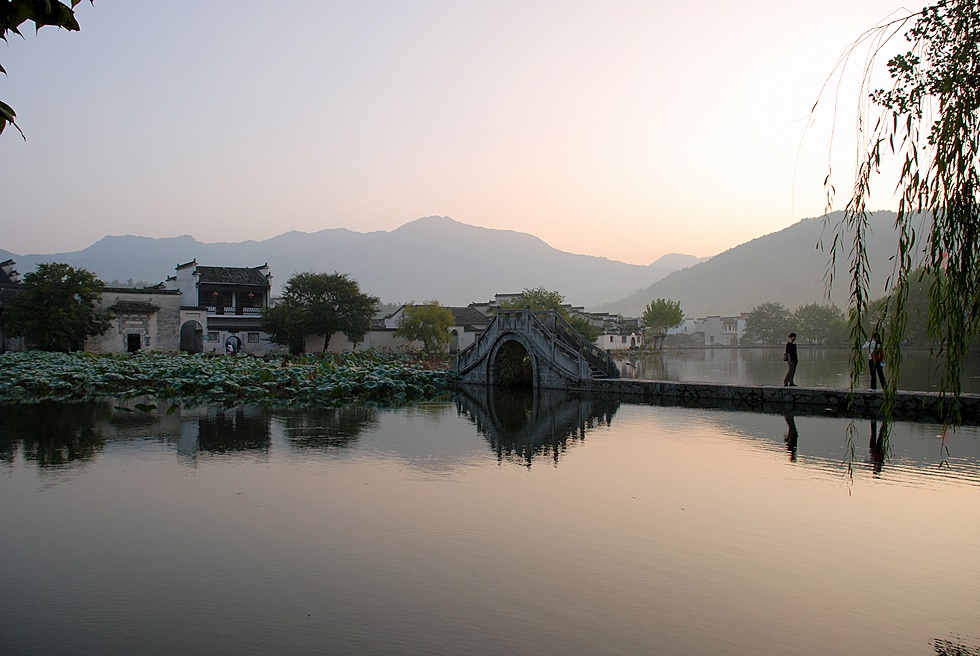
point(625, 129)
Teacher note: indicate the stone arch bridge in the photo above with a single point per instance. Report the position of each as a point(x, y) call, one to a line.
point(533, 349)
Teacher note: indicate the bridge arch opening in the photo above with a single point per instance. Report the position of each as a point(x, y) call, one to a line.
point(512, 366)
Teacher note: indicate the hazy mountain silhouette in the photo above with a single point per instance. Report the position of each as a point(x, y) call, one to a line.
point(786, 267)
point(430, 258)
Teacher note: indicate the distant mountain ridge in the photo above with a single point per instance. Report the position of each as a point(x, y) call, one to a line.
point(429, 258)
point(785, 267)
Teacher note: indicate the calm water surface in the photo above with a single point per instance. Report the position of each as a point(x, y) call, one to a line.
point(819, 367)
point(483, 525)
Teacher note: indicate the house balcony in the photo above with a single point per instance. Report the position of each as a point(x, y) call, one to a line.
point(231, 311)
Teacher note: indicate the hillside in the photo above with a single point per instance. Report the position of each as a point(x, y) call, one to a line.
point(787, 267)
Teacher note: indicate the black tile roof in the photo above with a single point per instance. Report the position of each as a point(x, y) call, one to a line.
point(4, 278)
point(133, 307)
point(157, 290)
point(8, 292)
point(214, 275)
point(467, 315)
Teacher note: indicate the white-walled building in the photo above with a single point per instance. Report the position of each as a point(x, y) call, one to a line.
point(468, 324)
point(144, 319)
point(222, 308)
point(715, 330)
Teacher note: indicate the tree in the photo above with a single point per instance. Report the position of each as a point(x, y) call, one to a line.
point(14, 13)
point(55, 309)
point(541, 299)
point(320, 304)
point(767, 324)
point(286, 325)
point(929, 122)
point(428, 323)
point(820, 324)
point(538, 298)
point(585, 328)
point(660, 316)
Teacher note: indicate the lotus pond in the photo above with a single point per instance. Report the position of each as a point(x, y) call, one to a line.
point(328, 379)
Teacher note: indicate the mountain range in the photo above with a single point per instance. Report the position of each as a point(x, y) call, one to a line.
point(440, 258)
point(429, 258)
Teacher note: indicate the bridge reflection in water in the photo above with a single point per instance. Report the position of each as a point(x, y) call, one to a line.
point(525, 424)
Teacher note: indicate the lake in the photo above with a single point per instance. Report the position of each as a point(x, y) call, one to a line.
point(484, 523)
point(819, 367)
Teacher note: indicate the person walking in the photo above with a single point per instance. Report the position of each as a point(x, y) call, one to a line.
point(876, 356)
point(789, 355)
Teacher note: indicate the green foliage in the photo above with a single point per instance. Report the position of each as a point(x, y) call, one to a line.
point(319, 304)
point(428, 323)
point(930, 123)
point(14, 13)
point(916, 308)
point(55, 309)
point(584, 327)
point(661, 315)
point(286, 325)
point(768, 323)
point(327, 380)
point(820, 324)
point(538, 298)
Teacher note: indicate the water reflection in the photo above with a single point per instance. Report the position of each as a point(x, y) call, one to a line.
point(792, 438)
point(327, 428)
point(954, 647)
point(524, 424)
point(876, 446)
point(819, 367)
point(244, 428)
point(53, 434)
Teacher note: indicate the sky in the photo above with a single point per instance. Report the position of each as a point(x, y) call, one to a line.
point(623, 129)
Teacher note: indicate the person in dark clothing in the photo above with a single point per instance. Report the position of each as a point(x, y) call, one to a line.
point(875, 357)
point(791, 361)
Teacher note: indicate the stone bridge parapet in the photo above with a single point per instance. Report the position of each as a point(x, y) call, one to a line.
point(559, 357)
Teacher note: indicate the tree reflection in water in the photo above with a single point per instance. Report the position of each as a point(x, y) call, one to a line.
point(327, 428)
point(953, 647)
point(523, 424)
point(53, 434)
point(243, 428)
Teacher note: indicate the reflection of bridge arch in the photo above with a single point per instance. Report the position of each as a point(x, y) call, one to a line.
point(558, 355)
point(192, 337)
point(521, 425)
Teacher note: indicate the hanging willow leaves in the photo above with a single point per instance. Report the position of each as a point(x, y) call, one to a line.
point(929, 122)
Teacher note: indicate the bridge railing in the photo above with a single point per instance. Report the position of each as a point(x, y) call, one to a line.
point(567, 344)
point(593, 354)
point(470, 356)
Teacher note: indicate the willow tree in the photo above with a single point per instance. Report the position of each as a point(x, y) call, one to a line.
point(929, 123)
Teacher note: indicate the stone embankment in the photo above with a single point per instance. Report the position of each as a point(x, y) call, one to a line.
point(910, 406)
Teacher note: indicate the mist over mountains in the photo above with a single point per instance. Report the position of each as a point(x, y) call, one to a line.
point(429, 258)
point(440, 258)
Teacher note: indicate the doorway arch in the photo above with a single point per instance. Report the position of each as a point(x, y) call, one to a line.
point(192, 337)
